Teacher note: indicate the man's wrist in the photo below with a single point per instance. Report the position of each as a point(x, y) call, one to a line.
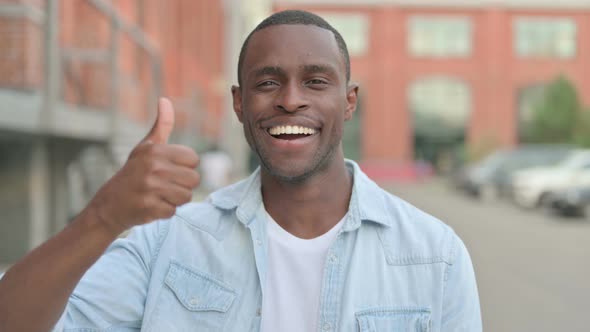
point(96, 219)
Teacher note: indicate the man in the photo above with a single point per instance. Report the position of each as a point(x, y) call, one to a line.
point(306, 243)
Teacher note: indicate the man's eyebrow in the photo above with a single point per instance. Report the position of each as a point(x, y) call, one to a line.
point(326, 69)
point(278, 71)
point(268, 70)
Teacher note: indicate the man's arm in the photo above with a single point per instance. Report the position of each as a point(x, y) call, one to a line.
point(461, 309)
point(156, 178)
point(34, 292)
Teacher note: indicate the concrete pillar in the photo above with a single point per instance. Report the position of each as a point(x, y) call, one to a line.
point(52, 60)
point(233, 140)
point(15, 203)
point(39, 193)
point(61, 153)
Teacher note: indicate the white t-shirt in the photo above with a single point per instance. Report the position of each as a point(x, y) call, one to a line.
point(294, 279)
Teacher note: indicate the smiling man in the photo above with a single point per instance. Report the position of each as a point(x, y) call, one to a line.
point(306, 243)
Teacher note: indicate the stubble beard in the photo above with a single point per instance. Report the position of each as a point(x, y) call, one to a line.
point(319, 163)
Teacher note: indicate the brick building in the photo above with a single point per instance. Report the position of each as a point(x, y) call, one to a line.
point(435, 73)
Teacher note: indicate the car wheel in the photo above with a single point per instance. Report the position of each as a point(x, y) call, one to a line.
point(551, 209)
point(544, 200)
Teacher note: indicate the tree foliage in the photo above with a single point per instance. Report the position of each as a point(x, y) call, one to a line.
point(582, 129)
point(557, 118)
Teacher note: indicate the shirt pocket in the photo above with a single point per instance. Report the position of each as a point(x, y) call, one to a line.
point(394, 320)
point(204, 300)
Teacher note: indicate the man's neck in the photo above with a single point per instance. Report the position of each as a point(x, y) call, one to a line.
point(310, 208)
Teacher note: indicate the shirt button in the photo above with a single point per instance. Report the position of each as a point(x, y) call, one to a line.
point(258, 312)
point(332, 258)
point(259, 242)
point(327, 327)
point(194, 301)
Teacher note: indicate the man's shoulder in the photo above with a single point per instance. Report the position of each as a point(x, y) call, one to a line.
point(204, 216)
point(413, 236)
point(380, 205)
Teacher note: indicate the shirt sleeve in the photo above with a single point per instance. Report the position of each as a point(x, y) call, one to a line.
point(461, 310)
point(112, 293)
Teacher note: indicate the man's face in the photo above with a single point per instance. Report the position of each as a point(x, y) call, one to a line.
point(294, 100)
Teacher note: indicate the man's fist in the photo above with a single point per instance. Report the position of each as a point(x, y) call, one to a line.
point(156, 179)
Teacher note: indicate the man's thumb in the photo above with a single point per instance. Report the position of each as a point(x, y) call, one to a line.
point(164, 124)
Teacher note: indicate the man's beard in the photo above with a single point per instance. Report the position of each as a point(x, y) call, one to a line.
point(318, 163)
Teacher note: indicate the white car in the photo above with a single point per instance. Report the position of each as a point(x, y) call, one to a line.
point(533, 186)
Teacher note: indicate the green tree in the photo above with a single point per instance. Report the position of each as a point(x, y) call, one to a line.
point(555, 117)
point(582, 129)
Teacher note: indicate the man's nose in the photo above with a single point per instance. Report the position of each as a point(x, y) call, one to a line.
point(291, 99)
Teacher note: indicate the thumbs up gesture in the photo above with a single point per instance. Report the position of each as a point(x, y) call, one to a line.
point(156, 178)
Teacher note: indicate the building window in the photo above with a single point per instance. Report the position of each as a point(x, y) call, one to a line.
point(440, 36)
point(439, 104)
point(354, 28)
point(544, 37)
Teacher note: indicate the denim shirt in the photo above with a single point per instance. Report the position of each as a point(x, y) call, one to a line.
point(392, 267)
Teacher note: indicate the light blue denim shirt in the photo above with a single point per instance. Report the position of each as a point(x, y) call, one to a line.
point(391, 268)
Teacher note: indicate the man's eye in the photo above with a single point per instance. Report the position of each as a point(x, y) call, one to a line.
point(266, 84)
point(316, 81)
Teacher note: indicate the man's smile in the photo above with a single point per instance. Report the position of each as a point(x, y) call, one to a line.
point(286, 137)
point(289, 132)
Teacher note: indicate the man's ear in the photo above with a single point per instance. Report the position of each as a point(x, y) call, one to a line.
point(237, 102)
point(351, 100)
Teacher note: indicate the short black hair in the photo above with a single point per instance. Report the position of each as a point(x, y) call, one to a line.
point(296, 17)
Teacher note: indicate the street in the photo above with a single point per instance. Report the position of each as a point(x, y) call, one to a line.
point(532, 268)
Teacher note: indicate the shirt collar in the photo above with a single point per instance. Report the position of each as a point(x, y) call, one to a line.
point(367, 202)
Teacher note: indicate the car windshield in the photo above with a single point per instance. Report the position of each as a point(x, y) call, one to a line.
point(528, 157)
point(494, 160)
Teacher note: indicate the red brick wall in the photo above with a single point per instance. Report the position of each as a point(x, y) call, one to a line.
point(192, 49)
point(83, 27)
point(21, 45)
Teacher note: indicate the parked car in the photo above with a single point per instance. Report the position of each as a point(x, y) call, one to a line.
point(534, 186)
point(570, 202)
point(490, 178)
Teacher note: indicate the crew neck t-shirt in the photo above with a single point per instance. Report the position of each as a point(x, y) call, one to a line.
point(294, 279)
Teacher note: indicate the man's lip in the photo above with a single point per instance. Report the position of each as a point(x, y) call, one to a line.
point(291, 144)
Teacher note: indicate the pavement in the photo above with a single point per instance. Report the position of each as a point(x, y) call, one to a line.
point(532, 268)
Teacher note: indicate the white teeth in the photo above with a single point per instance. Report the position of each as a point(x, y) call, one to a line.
point(278, 130)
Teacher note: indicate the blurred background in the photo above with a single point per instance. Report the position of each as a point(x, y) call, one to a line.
point(475, 111)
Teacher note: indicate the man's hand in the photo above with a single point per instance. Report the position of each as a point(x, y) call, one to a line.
point(156, 179)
